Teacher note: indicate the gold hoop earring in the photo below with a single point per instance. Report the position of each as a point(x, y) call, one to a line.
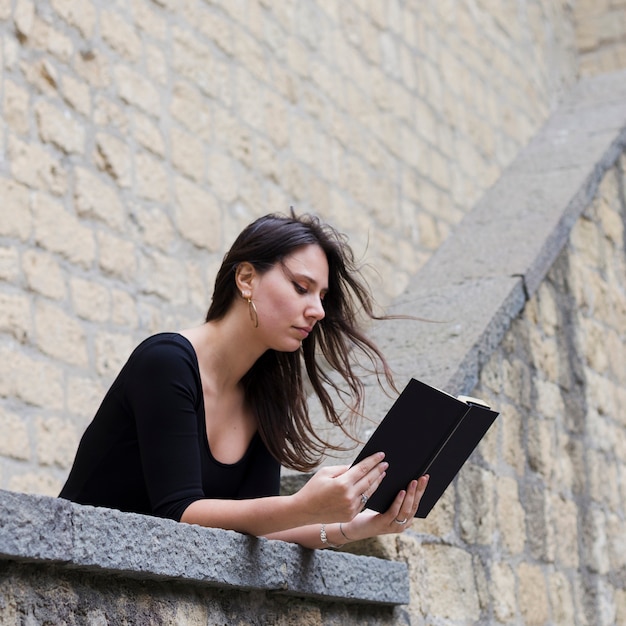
point(254, 316)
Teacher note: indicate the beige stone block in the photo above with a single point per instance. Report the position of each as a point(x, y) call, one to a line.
point(94, 198)
point(616, 542)
point(120, 34)
point(163, 276)
point(545, 354)
point(149, 19)
point(32, 380)
point(113, 156)
point(32, 165)
point(595, 541)
point(148, 134)
point(117, 256)
point(586, 239)
point(218, 29)
point(16, 107)
point(276, 119)
point(532, 595)
point(540, 446)
point(503, 592)
point(112, 351)
point(157, 64)
point(123, 309)
point(5, 11)
point(9, 264)
point(15, 218)
point(154, 226)
point(59, 335)
point(42, 75)
point(197, 215)
point(58, 230)
point(15, 315)
point(24, 16)
point(84, 396)
point(188, 154)
point(476, 508)
point(450, 578)
point(43, 274)
point(197, 63)
point(549, 399)
point(40, 483)
point(565, 470)
point(222, 176)
point(511, 516)
point(77, 94)
point(236, 139)
point(561, 599)
point(620, 606)
point(90, 300)
point(249, 52)
point(191, 110)
point(199, 290)
point(110, 113)
point(57, 441)
point(151, 177)
point(45, 37)
point(440, 521)
point(601, 395)
point(137, 90)
point(565, 520)
point(81, 15)
point(15, 442)
point(517, 382)
point(603, 478)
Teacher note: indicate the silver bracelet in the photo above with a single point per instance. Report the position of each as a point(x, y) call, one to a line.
point(324, 538)
point(344, 534)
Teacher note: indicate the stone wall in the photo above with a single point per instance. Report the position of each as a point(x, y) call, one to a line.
point(534, 531)
point(600, 27)
point(136, 139)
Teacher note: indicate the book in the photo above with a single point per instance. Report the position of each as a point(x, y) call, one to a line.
point(426, 431)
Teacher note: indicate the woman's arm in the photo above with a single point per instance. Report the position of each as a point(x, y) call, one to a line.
point(364, 525)
point(334, 494)
point(299, 518)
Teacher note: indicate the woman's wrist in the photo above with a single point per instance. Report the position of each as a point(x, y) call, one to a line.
point(334, 535)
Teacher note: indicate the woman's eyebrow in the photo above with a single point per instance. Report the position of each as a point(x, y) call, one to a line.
point(303, 276)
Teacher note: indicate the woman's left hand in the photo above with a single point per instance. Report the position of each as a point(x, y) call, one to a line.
point(396, 519)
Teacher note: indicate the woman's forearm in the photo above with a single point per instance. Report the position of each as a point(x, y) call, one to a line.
point(310, 536)
point(257, 516)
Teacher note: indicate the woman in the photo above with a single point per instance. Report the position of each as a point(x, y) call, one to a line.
point(198, 423)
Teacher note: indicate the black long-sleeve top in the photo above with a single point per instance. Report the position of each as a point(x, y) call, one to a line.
point(146, 450)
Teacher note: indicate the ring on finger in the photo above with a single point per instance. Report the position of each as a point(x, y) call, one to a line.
point(402, 522)
point(364, 500)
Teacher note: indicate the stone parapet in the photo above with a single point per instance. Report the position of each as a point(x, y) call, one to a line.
point(49, 531)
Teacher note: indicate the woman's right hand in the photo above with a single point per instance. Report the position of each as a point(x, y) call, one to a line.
point(338, 493)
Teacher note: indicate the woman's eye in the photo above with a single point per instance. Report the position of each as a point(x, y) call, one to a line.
point(299, 288)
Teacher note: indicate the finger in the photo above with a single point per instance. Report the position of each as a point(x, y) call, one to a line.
point(364, 467)
point(407, 507)
point(417, 493)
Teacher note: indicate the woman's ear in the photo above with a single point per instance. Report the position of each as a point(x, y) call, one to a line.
point(244, 277)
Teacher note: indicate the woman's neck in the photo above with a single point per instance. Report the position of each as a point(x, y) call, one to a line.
point(225, 352)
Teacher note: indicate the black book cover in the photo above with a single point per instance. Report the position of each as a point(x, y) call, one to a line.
point(426, 431)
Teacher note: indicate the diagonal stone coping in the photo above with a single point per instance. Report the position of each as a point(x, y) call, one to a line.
point(482, 275)
point(55, 531)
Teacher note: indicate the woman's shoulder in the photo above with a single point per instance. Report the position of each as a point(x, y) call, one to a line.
point(162, 350)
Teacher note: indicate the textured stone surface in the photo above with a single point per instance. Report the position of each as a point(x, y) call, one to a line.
point(50, 530)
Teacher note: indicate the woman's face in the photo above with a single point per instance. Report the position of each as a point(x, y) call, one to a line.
point(289, 298)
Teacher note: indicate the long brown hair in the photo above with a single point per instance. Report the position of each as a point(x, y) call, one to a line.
point(274, 386)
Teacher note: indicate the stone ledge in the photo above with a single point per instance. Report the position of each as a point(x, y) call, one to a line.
point(483, 274)
point(50, 530)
